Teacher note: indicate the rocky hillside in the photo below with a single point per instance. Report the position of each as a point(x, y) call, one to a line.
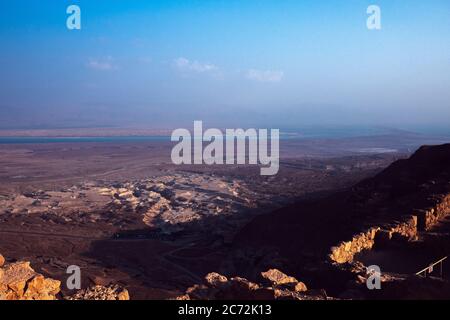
point(408, 196)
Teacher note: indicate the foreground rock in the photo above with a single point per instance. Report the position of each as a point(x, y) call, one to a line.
point(282, 287)
point(18, 281)
point(112, 292)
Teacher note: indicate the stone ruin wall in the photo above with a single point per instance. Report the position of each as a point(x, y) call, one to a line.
point(428, 217)
point(406, 228)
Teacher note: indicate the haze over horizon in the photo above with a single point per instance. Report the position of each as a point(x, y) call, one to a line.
point(167, 63)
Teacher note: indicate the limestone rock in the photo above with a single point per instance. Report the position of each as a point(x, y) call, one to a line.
point(18, 281)
point(40, 288)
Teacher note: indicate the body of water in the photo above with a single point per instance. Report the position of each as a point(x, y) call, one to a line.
point(35, 140)
point(111, 139)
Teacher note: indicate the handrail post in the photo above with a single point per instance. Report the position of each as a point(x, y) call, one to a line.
point(428, 270)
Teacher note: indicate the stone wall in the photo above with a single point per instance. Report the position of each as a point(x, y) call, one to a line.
point(428, 217)
point(345, 251)
point(406, 228)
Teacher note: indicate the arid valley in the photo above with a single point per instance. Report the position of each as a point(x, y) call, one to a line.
point(127, 216)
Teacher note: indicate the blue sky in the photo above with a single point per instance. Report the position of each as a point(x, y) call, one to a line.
point(262, 63)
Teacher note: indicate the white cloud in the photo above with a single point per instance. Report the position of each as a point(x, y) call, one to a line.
point(105, 64)
point(265, 75)
point(186, 65)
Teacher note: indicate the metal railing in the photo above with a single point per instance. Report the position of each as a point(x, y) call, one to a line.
point(428, 270)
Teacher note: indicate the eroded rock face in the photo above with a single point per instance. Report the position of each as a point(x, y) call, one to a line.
point(112, 292)
point(18, 281)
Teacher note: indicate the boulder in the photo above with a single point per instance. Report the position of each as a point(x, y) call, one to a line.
point(300, 287)
point(215, 280)
point(18, 281)
point(41, 288)
point(276, 277)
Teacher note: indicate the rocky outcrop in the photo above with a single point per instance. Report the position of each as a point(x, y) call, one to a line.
point(18, 281)
point(279, 287)
point(112, 292)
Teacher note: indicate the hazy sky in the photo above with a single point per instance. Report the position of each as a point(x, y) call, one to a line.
point(267, 62)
